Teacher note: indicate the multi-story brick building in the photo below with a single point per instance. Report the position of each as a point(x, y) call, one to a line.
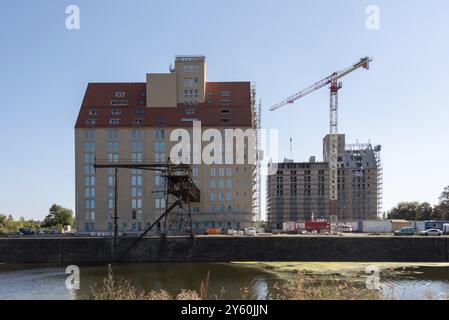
point(132, 122)
point(300, 191)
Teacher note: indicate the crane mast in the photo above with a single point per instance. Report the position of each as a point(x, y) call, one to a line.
point(334, 86)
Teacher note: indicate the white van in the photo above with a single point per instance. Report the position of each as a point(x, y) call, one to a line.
point(250, 231)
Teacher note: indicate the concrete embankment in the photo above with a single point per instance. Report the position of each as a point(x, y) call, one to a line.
point(224, 249)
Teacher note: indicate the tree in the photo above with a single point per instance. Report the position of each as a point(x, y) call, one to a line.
point(58, 217)
point(442, 209)
point(405, 210)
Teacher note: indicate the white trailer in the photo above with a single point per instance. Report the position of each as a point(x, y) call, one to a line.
point(289, 226)
point(376, 226)
point(418, 225)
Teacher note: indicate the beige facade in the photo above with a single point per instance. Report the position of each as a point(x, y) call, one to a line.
point(186, 83)
point(132, 123)
point(226, 190)
point(161, 90)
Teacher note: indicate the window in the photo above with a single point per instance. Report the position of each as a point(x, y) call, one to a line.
point(213, 196)
point(116, 112)
point(94, 112)
point(212, 172)
point(160, 134)
point(190, 111)
point(229, 196)
point(114, 121)
point(191, 68)
point(225, 121)
point(190, 82)
point(138, 122)
point(222, 184)
point(225, 111)
point(119, 102)
point(120, 94)
point(213, 184)
point(222, 172)
point(113, 134)
point(225, 93)
point(139, 111)
point(229, 184)
point(229, 172)
point(91, 121)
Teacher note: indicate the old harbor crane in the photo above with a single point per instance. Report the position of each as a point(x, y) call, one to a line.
point(334, 86)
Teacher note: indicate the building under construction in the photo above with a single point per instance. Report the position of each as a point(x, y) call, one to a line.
point(300, 191)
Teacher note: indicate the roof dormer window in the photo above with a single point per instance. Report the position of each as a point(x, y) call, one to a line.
point(116, 112)
point(94, 112)
point(119, 102)
point(120, 94)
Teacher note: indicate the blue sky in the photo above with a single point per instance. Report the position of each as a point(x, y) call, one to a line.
point(282, 46)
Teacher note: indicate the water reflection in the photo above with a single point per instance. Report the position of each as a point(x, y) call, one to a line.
point(226, 280)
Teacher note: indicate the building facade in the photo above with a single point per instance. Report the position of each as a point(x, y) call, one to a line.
point(300, 191)
point(134, 122)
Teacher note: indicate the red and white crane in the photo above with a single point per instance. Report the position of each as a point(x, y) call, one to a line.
point(334, 86)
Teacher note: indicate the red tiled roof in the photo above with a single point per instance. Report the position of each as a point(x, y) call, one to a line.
point(98, 98)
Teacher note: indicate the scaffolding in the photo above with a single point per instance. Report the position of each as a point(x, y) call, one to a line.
point(380, 188)
point(257, 170)
point(180, 191)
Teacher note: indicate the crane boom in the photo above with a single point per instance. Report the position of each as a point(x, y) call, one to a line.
point(364, 62)
point(331, 149)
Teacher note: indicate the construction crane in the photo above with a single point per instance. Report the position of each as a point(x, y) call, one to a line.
point(334, 86)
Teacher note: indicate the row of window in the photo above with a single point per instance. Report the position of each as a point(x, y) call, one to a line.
point(190, 68)
point(221, 171)
point(213, 184)
point(222, 196)
point(191, 94)
point(190, 82)
point(114, 122)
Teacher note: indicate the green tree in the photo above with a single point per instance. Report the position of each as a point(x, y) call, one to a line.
point(425, 212)
point(405, 210)
point(58, 217)
point(442, 209)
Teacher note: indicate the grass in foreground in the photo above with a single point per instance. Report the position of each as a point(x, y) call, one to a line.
point(296, 289)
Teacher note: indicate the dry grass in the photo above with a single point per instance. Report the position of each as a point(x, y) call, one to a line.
point(124, 290)
point(301, 287)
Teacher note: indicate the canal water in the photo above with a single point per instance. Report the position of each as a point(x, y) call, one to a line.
point(226, 279)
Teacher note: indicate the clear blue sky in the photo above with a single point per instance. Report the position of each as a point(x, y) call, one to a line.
point(282, 46)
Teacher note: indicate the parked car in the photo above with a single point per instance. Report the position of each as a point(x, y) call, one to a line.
point(431, 232)
point(26, 232)
point(250, 231)
point(406, 231)
point(345, 228)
